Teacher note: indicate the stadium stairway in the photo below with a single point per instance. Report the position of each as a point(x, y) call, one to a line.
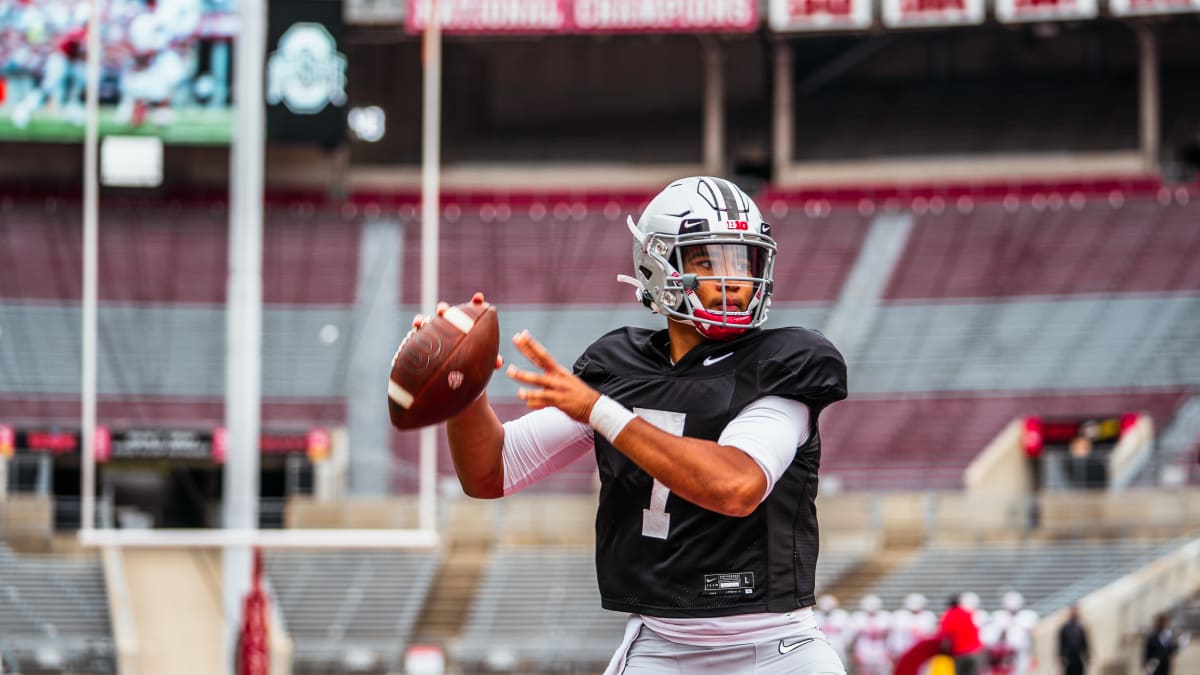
point(176, 602)
point(853, 584)
point(853, 316)
point(1176, 446)
point(442, 618)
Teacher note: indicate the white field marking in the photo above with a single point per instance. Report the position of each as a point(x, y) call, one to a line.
point(459, 319)
point(399, 395)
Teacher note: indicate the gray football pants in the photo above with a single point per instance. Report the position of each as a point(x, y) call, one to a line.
point(808, 653)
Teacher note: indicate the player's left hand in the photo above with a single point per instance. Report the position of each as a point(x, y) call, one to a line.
point(555, 386)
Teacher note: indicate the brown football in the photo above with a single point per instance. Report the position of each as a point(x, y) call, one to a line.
point(443, 366)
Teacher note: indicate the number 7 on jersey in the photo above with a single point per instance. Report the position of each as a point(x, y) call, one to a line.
point(656, 522)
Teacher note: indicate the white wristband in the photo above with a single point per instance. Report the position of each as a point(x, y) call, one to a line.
point(609, 418)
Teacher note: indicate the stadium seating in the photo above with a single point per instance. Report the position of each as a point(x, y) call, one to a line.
point(926, 441)
point(1048, 304)
point(838, 558)
point(162, 286)
point(539, 607)
point(995, 308)
point(573, 246)
point(1051, 574)
point(353, 610)
point(153, 252)
point(1060, 245)
point(54, 614)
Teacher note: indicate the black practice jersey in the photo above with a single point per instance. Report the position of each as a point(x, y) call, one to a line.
point(660, 555)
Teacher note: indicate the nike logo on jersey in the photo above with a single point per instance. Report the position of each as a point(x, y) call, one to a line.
point(708, 361)
point(784, 647)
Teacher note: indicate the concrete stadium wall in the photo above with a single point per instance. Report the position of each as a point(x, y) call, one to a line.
point(910, 517)
point(564, 519)
point(1134, 512)
point(27, 521)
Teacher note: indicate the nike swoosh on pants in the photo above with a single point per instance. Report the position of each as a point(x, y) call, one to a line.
point(784, 647)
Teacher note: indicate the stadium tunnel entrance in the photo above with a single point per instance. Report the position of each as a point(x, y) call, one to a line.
point(158, 478)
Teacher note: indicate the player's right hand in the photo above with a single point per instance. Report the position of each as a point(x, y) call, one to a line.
point(555, 386)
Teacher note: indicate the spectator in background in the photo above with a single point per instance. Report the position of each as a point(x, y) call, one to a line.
point(1073, 645)
point(961, 637)
point(1161, 645)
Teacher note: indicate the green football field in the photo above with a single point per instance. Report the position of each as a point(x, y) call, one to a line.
point(200, 126)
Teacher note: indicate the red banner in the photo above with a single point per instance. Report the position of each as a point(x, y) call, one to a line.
point(51, 441)
point(586, 16)
point(103, 443)
point(914, 13)
point(799, 15)
point(1009, 11)
point(220, 445)
point(666, 16)
point(318, 443)
point(255, 656)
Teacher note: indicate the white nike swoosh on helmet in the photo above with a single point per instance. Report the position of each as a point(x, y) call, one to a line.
point(708, 361)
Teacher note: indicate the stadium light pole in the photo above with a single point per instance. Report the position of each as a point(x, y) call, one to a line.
point(1149, 110)
point(243, 315)
point(91, 255)
point(431, 58)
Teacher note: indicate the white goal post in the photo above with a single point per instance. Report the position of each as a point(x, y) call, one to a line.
point(244, 315)
point(265, 539)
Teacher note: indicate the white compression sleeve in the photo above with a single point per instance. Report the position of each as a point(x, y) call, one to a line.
point(540, 443)
point(536, 445)
point(769, 430)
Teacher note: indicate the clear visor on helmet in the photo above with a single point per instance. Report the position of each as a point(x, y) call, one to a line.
point(722, 262)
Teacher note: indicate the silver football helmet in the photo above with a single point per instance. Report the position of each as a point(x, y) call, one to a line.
point(714, 216)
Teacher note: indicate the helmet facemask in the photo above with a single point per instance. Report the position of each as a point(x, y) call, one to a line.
point(735, 270)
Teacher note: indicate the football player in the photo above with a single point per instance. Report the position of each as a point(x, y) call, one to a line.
point(871, 627)
point(911, 624)
point(159, 43)
point(835, 623)
point(1009, 636)
point(64, 77)
point(706, 438)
